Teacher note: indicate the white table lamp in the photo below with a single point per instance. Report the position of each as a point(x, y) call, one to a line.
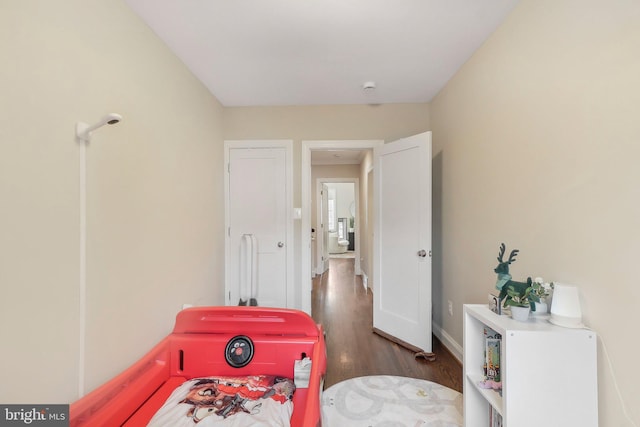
point(565, 306)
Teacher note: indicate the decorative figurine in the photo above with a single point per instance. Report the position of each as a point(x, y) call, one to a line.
point(504, 282)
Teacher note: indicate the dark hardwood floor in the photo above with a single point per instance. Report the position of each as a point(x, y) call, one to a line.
point(345, 310)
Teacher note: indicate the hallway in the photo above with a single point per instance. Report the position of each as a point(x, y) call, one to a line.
point(344, 308)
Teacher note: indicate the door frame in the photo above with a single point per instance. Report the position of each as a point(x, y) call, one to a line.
point(322, 234)
point(356, 195)
point(287, 144)
point(305, 235)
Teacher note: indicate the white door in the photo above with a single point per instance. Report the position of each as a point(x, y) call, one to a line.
point(323, 264)
point(402, 240)
point(256, 264)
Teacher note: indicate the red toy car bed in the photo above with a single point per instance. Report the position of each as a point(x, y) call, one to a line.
point(226, 361)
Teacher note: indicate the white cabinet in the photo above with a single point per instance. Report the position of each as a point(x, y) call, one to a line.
point(549, 373)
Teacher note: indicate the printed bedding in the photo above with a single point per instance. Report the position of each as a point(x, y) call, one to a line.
point(248, 401)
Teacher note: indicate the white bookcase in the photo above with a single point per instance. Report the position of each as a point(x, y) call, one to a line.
point(549, 373)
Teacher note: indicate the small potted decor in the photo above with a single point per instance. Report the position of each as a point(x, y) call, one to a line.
point(521, 301)
point(541, 290)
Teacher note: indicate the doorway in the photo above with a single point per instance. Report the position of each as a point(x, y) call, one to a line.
point(307, 189)
point(337, 203)
point(402, 250)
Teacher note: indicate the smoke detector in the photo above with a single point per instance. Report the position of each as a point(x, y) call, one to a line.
point(368, 86)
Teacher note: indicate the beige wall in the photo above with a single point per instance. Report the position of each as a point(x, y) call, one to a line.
point(326, 122)
point(338, 122)
point(536, 144)
point(154, 194)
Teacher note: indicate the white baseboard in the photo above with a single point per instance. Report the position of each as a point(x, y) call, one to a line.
point(448, 341)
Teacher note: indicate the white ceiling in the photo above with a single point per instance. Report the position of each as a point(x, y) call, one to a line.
point(313, 52)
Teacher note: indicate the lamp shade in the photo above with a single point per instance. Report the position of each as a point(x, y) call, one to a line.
point(565, 306)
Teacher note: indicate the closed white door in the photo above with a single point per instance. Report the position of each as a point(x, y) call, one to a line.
point(256, 265)
point(402, 240)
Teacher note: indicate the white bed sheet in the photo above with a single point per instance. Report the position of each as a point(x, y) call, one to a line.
point(252, 401)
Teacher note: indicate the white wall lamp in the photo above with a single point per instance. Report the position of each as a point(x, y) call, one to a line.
point(83, 136)
point(83, 130)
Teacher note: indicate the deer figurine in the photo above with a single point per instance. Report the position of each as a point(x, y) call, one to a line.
point(504, 278)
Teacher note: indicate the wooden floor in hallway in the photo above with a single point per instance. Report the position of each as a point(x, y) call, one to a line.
point(345, 309)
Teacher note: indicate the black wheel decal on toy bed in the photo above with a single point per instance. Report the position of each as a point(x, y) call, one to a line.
point(239, 351)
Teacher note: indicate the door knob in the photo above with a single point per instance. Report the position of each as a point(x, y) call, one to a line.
point(280, 244)
point(422, 253)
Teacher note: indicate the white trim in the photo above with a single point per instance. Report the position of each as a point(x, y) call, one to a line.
point(448, 341)
point(287, 144)
point(305, 173)
point(356, 185)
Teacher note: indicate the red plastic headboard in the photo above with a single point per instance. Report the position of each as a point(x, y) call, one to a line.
point(235, 320)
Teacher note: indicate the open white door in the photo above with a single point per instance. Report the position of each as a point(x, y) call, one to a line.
point(402, 241)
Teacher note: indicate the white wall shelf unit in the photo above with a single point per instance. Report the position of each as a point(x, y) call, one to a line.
point(549, 373)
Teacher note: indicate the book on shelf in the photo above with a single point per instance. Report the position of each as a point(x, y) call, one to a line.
point(491, 367)
point(495, 419)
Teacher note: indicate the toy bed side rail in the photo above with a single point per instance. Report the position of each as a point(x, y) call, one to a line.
point(316, 383)
point(237, 320)
point(112, 403)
